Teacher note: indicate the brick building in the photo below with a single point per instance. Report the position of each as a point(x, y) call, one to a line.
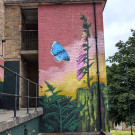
point(1, 22)
point(121, 126)
point(30, 27)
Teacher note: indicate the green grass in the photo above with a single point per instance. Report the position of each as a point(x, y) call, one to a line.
point(118, 132)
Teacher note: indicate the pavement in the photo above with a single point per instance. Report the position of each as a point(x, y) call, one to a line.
point(7, 120)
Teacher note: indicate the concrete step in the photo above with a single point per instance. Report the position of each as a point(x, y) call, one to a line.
point(72, 133)
point(78, 133)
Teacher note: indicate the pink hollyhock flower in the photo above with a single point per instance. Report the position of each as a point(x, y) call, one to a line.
point(81, 45)
point(79, 72)
point(83, 48)
point(80, 76)
point(84, 34)
point(80, 58)
point(84, 42)
point(83, 38)
point(79, 66)
point(82, 52)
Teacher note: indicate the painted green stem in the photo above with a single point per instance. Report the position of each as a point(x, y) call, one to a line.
point(88, 63)
point(61, 127)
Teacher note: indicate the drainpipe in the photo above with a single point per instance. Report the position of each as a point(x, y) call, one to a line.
point(98, 88)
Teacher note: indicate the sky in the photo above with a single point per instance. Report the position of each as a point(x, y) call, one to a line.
point(119, 19)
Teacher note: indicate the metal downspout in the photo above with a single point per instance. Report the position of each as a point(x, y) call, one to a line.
point(98, 88)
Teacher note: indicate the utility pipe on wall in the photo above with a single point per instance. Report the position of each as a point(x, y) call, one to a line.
point(98, 88)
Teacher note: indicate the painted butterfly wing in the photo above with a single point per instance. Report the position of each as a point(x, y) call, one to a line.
point(62, 56)
point(59, 52)
point(56, 48)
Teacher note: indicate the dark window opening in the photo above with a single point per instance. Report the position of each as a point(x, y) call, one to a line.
point(29, 29)
point(29, 53)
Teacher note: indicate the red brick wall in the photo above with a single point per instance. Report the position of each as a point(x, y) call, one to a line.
point(1, 70)
point(62, 23)
point(2, 10)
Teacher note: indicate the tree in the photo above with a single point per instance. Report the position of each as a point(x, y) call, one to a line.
point(121, 71)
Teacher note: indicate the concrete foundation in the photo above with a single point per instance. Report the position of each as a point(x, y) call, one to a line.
point(7, 121)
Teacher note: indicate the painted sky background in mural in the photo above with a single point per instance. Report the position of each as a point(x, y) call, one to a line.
point(63, 24)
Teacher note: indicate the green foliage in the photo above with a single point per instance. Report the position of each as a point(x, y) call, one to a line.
point(119, 132)
point(60, 112)
point(86, 26)
point(86, 60)
point(117, 81)
point(90, 115)
point(89, 112)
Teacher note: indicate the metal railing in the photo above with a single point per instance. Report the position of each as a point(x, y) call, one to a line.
point(15, 95)
point(29, 40)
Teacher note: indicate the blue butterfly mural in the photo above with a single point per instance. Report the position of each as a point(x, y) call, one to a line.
point(59, 52)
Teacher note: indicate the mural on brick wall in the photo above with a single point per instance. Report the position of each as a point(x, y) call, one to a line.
point(1, 71)
point(59, 52)
point(1, 80)
point(68, 76)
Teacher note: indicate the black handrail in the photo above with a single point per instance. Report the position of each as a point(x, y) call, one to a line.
point(17, 96)
point(20, 75)
point(13, 95)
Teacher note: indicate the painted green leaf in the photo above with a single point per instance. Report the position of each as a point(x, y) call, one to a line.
point(59, 110)
point(50, 114)
point(89, 25)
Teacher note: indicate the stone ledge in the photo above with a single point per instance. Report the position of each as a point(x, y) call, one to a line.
point(51, 1)
point(40, 2)
point(78, 133)
point(12, 122)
